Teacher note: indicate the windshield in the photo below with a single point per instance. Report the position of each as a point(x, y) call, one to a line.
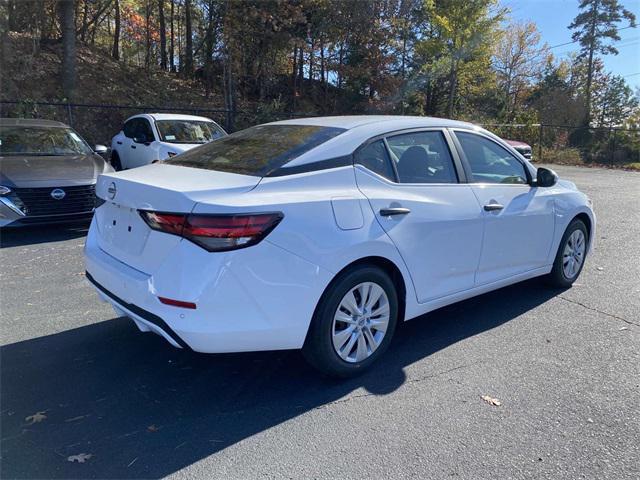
point(41, 141)
point(188, 131)
point(257, 151)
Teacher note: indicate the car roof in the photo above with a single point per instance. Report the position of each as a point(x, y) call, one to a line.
point(170, 116)
point(31, 122)
point(359, 129)
point(389, 121)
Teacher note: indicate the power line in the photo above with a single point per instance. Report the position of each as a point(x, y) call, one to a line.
point(575, 41)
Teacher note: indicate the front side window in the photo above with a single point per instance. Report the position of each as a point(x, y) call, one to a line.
point(188, 131)
point(489, 162)
point(374, 156)
point(422, 157)
point(256, 151)
point(143, 130)
point(41, 141)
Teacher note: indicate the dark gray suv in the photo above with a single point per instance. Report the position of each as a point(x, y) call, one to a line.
point(47, 173)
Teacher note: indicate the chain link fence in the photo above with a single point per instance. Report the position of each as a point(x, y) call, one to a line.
point(98, 123)
point(550, 143)
point(575, 145)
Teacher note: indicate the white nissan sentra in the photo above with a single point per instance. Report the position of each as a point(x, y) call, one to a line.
point(325, 233)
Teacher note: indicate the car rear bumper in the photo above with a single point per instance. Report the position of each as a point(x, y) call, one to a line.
point(257, 298)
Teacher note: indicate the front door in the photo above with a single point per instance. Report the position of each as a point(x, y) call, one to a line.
point(434, 221)
point(519, 217)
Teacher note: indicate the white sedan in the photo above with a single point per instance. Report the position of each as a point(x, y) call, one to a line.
point(325, 233)
point(150, 137)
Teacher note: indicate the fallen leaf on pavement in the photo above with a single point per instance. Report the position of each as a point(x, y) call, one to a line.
point(152, 428)
point(74, 419)
point(80, 458)
point(491, 400)
point(35, 418)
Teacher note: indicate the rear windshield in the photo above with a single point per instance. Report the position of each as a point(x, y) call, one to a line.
point(41, 141)
point(256, 151)
point(188, 131)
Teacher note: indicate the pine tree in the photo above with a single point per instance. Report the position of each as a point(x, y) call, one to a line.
point(595, 26)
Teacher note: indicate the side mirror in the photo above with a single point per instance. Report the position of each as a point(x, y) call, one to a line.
point(100, 149)
point(545, 177)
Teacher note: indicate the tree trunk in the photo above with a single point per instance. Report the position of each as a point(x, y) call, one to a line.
point(163, 35)
point(85, 15)
point(172, 50)
point(452, 88)
point(188, 33)
point(147, 28)
point(115, 52)
point(208, 51)
point(67, 25)
point(301, 68)
point(592, 46)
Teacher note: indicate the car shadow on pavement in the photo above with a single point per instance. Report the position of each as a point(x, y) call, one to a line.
point(18, 237)
point(142, 409)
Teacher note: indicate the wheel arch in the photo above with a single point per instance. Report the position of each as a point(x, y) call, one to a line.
point(586, 220)
point(391, 269)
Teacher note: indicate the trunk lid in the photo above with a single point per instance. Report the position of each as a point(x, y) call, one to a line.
point(123, 233)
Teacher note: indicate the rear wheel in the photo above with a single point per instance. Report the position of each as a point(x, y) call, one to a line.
point(353, 323)
point(115, 161)
point(571, 255)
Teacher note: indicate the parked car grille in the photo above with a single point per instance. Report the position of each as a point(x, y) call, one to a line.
point(40, 202)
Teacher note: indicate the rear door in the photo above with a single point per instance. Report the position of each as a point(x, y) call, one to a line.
point(519, 221)
point(414, 183)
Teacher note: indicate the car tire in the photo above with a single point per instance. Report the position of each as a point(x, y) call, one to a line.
point(328, 330)
point(571, 255)
point(115, 161)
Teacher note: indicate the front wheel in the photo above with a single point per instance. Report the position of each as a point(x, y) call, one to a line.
point(353, 323)
point(571, 255)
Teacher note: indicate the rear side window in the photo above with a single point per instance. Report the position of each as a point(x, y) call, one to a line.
point(422, 157)
point(256, 151)
point(375, 157)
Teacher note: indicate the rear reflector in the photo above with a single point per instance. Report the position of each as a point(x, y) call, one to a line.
point(177, 303)
point(215, 233)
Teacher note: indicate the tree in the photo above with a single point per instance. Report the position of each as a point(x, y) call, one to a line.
point(594, 26)
point(459, 36)
point(163, 35)
point(66, 12)
point(115, 51)
point(519, 60)
point(188, 33)
point(614, 102)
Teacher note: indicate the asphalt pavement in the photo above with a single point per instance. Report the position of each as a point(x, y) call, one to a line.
point(84, 394)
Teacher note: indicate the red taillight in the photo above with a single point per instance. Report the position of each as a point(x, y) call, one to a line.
point(215, 233)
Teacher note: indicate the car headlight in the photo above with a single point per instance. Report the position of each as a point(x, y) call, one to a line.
point(4, 190)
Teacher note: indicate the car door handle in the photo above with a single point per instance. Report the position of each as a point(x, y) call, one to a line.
point(386, 212)
point(119, 143)
point(133, 146)
point(492, 207)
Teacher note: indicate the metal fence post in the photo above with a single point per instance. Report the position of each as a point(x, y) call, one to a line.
point(540, 143)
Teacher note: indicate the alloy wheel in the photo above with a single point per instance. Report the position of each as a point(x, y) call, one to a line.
point(573, 254)
point(360, 322)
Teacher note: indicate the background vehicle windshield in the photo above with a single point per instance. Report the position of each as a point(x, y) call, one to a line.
point(257, 151)
point(41, 141)
point(188, 131)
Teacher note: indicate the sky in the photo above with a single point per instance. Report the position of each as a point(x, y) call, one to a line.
point(552, 18)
